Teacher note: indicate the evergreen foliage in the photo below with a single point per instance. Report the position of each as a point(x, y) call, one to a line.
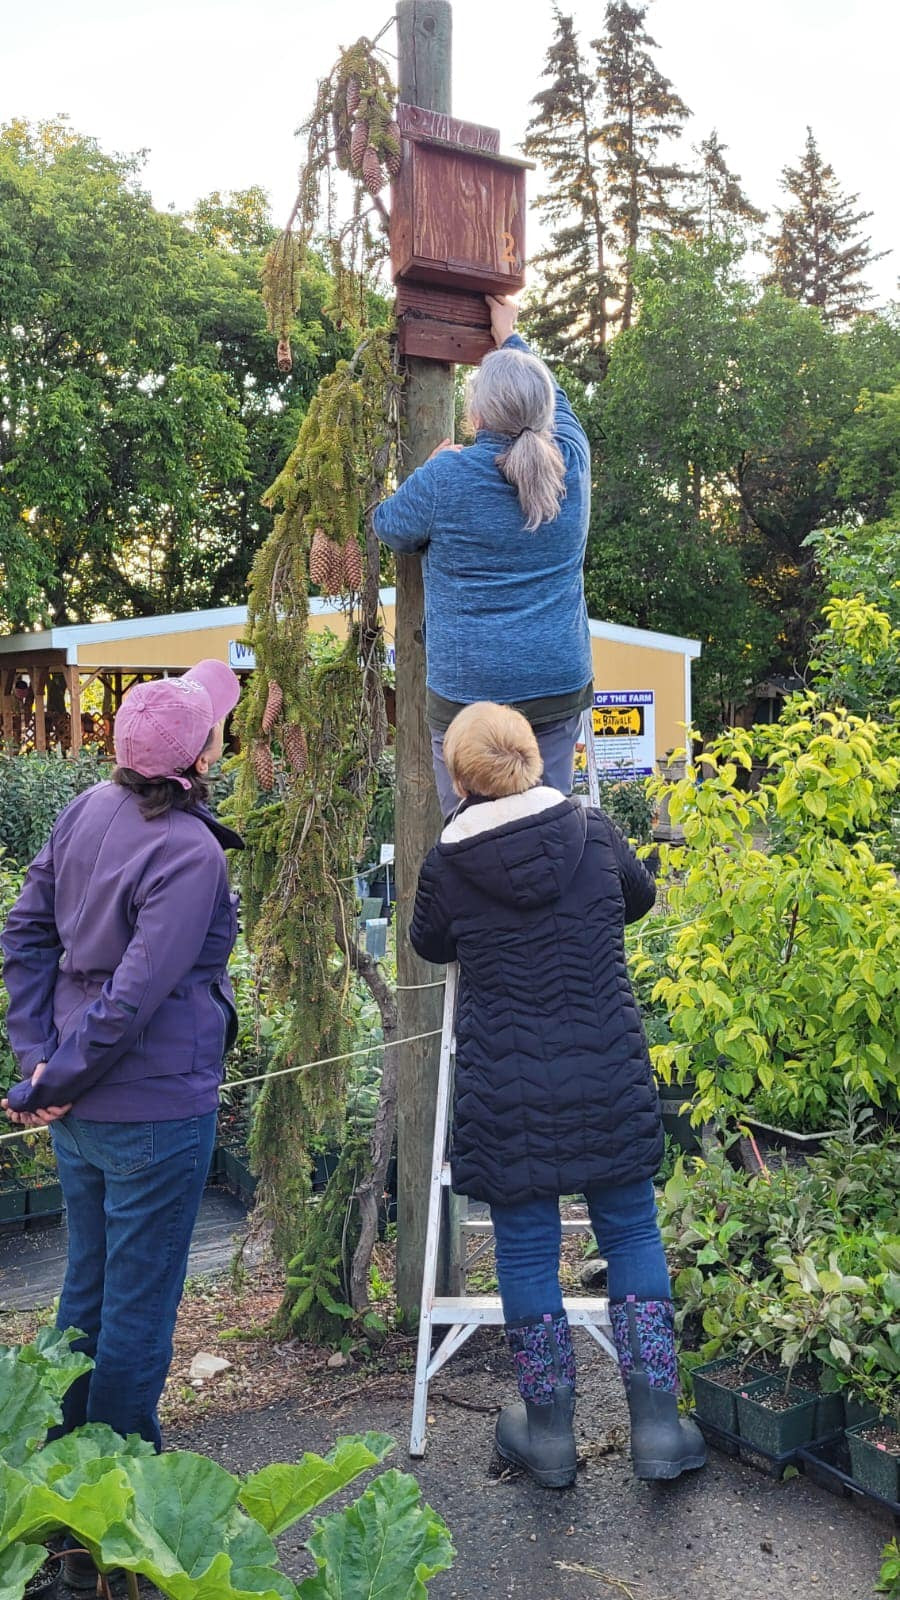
point(313, 726)
point(819, 253)
point(642, 113)
point(571, 317)
point(718, 203)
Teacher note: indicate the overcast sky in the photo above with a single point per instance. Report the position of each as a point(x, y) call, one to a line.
point(214, 89)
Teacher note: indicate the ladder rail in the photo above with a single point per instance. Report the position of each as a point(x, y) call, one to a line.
point(461, 1313)
point(590, 751)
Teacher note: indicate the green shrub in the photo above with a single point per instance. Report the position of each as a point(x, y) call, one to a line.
point(34, 789)
point(783, 979)
point(628, 803)
point(801, 1262)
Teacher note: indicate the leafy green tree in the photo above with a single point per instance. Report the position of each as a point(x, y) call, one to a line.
point(727, 430)
point(571, 318)
point(819, 252)
point(642, 111)
point(667, 547)
point(141, 412)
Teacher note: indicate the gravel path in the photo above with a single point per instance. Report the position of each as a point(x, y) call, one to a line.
point(727, 1533)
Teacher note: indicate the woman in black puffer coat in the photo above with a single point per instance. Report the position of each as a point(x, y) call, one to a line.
point(554, 1093)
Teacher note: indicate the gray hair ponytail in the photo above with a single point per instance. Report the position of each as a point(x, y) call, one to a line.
point(512, 392)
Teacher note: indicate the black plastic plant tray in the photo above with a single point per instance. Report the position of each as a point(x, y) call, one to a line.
point(731, 1444)
point(826, 1461)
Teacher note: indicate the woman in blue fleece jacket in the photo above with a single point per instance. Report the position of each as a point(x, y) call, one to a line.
point(502, 528)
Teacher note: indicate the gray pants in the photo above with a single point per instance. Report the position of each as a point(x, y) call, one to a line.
point(556, 742)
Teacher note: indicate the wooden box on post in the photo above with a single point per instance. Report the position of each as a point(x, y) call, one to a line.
point(457, 234)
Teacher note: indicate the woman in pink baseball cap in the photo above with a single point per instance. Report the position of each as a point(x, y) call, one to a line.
point(120, 1016)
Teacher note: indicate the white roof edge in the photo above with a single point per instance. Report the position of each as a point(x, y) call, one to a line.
point(618, 633)
point(70, 637)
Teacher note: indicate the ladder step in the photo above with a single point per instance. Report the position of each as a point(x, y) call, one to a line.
point(457, 1309)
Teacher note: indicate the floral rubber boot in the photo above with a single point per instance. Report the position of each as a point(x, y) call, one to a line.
point(537, 1432)
point(663, 1444)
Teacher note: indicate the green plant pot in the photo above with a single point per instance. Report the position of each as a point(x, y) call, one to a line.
point(237, 1172)
point(857, 1411)
point(716, 1403)
point(44, 1201)
point(12, 1202)
point(875, 1467)
point(677, 1123)
point(777, 1432)
point(829, 1412)
point(216, 1172)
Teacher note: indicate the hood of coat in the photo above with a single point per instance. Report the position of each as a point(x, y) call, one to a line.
point(523, 850)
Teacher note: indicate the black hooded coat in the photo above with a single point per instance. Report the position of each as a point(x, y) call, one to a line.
point(553, 1089)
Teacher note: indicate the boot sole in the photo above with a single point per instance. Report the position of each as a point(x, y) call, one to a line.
point(661, 1470)
point(562, 1478)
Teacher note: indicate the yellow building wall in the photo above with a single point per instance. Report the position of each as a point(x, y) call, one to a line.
point(635, 666)
point(616, 666)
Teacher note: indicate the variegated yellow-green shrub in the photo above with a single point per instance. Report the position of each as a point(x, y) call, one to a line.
point(782, 984)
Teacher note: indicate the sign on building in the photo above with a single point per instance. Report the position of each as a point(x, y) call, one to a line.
point(240, 656)
point(624, 734)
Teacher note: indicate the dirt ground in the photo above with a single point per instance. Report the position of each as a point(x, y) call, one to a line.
point(727, 1533)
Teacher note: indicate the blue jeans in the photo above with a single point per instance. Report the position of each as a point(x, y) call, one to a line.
point(556, 742)
point(132, 1193)
point(527, 1238)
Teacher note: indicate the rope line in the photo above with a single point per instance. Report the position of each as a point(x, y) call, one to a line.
point(280, 1072)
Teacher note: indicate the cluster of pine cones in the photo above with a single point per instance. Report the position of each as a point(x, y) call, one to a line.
point(368, 138)
point(291, 737)
point(335, 567)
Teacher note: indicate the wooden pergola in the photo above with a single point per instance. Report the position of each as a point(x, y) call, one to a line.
point(114, 654)
point(70, 659)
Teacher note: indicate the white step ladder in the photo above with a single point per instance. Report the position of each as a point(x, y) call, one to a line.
point(462, 1313)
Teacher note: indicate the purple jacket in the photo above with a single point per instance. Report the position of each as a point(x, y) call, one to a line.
point(116, 954)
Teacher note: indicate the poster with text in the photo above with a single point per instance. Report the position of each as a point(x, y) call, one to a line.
point(625, 733)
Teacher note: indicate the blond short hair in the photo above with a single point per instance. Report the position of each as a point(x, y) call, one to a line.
point(492, 751)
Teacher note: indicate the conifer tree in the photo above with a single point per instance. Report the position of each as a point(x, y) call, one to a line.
point(642, 111)
point(715, 195)
point(820, 252)
point(571, 317)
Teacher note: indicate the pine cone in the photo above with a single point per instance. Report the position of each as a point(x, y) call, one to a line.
point(319, 558)
point(263, 765)
point(359, 143)
point(334, 582)
point(392, 148)
point(326, 562)
point(293, 740)
point(373, 177)
point(285, 359)
point(353, 566)
point(274, 703)
point(352, 95)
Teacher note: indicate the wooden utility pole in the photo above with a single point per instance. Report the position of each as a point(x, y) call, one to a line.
point(423, 77)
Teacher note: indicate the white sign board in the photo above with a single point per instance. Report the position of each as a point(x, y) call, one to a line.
point(625, 733)
point(240, 656)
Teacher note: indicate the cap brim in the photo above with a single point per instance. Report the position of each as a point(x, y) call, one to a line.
point(221, 684)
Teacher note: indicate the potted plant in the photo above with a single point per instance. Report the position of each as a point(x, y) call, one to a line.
point(717, 1385)
point(776, 1416)
point(875, 1456)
